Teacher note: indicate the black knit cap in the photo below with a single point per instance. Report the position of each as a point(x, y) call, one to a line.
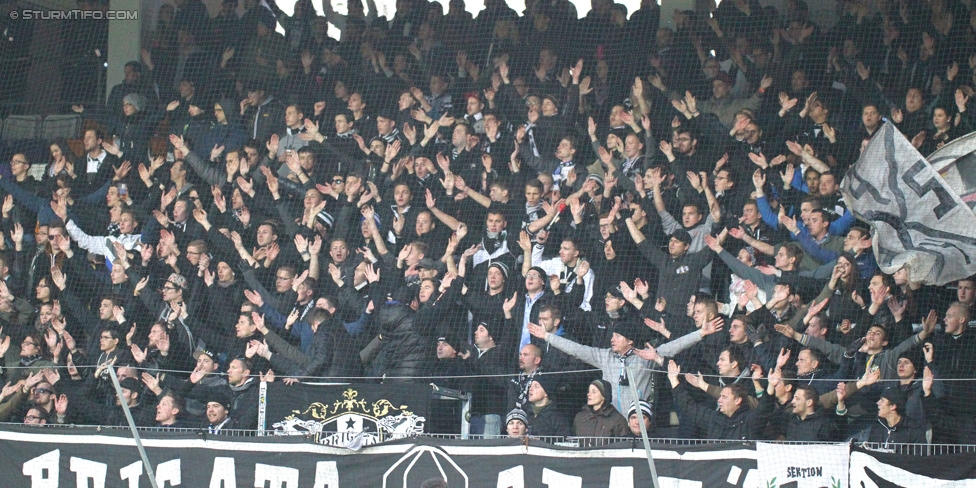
point(548, 382)
point(631, 330)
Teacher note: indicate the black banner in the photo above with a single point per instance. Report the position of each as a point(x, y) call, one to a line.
point(889, 470)
point(351, 415)
point(42, 458)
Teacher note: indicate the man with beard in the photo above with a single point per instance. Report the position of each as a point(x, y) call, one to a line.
point(203, 378)
point(529, 362)
point(97, 162)
point(218, 412)
point(242, 396)
point(809, 422)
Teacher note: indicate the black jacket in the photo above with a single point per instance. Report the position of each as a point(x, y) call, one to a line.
point(294, 362)
point(548, 421)
point(677, 278)
point(821, 426)
point(953, 355)
point(244, 403)
point(490, 397)
point(244, 408)
point(745, 423)
point(407, 348)
point(904, 432)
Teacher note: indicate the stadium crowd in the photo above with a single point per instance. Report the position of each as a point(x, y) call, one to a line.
point(548, 212)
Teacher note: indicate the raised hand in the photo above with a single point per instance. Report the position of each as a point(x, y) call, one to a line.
point(254, 297)
point(372, 273)
point(897, 115)
point(896, 306)
point(61, 405)
point(272, 146)
point(509, 304)
point(582, 267)
point(673, 371)
point(138, 353)
point(786, 103)
point(649, 353)
point(713, 244)
point(928, 325)
point(536, 330)
point(525, 243)
point(787, 175)
point(871, 376)
point(929, 351)
point(816, 308)
point(757, 372)
point(251, 349)
point(659, 327)
point(808, 104)
point(151, 382)
point(783, 357)
point(712, 326)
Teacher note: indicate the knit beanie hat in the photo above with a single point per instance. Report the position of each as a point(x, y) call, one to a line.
point(138, 101)
point(605, 389)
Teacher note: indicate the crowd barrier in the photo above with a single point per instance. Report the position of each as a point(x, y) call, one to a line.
point(39, 457)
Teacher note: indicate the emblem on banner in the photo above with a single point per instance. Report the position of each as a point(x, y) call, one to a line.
point(352, 421)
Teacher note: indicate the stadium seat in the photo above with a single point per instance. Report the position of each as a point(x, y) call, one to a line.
point(20, 127)
point(61, 126)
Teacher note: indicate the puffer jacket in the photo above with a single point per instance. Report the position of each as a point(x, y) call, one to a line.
point(547, 421)
point(606, 422)
point(407, 348)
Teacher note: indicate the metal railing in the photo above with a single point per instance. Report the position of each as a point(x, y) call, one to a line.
point(920, 449)
point(571, 441)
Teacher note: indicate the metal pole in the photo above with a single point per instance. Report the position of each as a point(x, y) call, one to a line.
point(643, 428)
point(135, 433)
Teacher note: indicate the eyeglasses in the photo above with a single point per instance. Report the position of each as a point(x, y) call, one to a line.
point(338, 181)
point(533, 276)
point(31, 418)
point(170, 288)
point(18, 161)
point(195, 199)
point(106, 338)
point(42, 391)
point(28, 343)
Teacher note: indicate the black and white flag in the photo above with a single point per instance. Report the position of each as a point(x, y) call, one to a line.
point(956, 163)
point(919, 220)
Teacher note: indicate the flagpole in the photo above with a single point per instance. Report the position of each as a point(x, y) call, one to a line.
point(643, 428)
point(132, 427)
